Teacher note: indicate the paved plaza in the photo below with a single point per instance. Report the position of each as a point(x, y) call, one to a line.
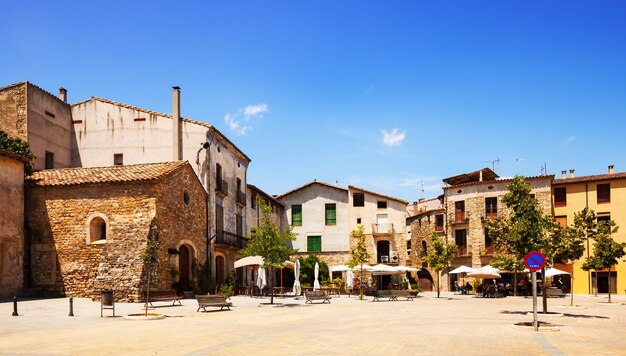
point(453, 325)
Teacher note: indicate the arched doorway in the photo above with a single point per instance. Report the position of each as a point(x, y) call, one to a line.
point(184, 266)
point(425, 280)
point(382, 251)
point(219, 269)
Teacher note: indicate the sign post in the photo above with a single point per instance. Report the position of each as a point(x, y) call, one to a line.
point(534, 261)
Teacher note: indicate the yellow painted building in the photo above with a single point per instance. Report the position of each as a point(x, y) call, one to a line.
point(605, 194)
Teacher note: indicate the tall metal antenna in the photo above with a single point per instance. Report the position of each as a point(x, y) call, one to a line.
point(493, 163)
point(517, 164)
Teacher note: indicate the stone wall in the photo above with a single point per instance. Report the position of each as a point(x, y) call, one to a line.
point(13, 110)
point(422, 229)
point(65, 263)
point(11, 225)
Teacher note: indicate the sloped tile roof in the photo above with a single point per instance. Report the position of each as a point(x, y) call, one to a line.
point(589, 178)
point(379, 194)
point(311, 183)
point(505, 180)
point(95, 175)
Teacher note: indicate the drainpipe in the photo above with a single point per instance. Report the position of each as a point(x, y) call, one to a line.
point(589, 271)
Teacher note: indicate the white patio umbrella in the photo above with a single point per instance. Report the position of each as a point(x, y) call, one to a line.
point(554, 271)
point(384, 269)
point(297, 290)
point(363, 266)
point(257, 261)
point(316, 284)
point(260, 279)
point(349, 279)
point(340, 268)
point(406, 269)
point(463, 269)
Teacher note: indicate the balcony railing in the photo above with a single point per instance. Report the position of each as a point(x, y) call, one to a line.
point(221, 186)
point(460, 216)
point(382, 229)
point(241, 198)
point(228, 238)
point(491, 215)
point(488, 250)
point(438, 227)
point(388, 259)
point(463, 250)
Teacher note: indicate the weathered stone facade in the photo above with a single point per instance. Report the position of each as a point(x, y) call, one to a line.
point(422, 228)
point(13, 110)
point(11, 224)
point(66, 260)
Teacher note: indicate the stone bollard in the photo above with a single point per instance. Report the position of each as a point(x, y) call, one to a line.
point(71, 307)
point(15, 307)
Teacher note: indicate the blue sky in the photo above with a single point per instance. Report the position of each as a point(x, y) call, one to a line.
point(384, 95)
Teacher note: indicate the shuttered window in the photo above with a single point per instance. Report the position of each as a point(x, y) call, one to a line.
point(604, 193)
point(296, 215)
point(314, 244)
point(331, 214)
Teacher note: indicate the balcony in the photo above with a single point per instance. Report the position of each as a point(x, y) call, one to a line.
point(382, 229)
point(491, 215)
point(241, 198)
point(230, 239)
point(221, 187)
point(461, 217)
point(386, 259)
point(438, 228)
point(463, 250)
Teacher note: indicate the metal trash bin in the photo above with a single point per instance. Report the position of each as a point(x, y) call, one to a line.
point(106, 301)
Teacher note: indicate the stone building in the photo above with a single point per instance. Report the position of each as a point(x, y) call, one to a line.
point(426, 221)
point(472, 198)
point(88, 227)
point(11, 224)
point(40, 118)
point(254, 213)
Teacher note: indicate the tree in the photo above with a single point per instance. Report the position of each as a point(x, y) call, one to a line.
point(150, 257)
point(307, 269)
point(359, 255)
point(606, 251)
point(269, 242)
point(19, 147)
point(525, 229)
point(506, 261)
point(440, 256)
point(572, 246)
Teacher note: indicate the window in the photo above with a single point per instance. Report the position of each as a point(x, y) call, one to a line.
point(296, 215)
point(358, 199)
point(118, 159)
point(460, 238)
point(408, 247)
point(459, 210)
point(561, 220)
point(382, 204)
point(314, 244)
point(253, 200)
point(491, 208)
point(97, 230)
point(439, 222)
point(358, 220)
point(488, 243)
point(604, 193)
point(186, 197)
point(603, 217)
point(49, 160)
point(560, 196)
point(239, 222)
point(331, 214)
point(424, 251)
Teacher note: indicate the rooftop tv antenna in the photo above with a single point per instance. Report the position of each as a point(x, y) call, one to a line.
point(517, 164)
point(493, 163)
point(422, 183)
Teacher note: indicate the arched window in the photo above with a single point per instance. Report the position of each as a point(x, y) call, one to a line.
point(97, 230)
point(424, 249)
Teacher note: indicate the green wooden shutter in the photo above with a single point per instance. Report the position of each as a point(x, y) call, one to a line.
point(331, 214)
point(296, 215)
point(314, 244)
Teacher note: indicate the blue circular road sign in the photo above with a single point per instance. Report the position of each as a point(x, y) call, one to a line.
point(534, 260)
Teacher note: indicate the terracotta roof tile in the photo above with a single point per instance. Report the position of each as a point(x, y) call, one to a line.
point(380, 195)
point(311, 183)
point(550, 177)
point(589, 178)
point(94, 175)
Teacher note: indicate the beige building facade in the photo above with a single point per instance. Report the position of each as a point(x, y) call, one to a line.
point(11, 224)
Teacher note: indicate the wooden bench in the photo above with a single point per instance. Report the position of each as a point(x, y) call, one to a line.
point(317, 295)
point(207, 300)
point(393, 295)
point(555, 293)
point(162, 296)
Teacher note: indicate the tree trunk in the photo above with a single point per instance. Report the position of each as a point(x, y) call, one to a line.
point(571, 287)
point(609, 284)
point(438, 282)
point(595, 291)
point(515, 283)
point(361, 284)
point(272, 285)
point(544, 296)
point(147, 293)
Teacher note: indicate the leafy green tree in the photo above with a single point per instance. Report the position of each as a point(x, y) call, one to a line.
point(506, 261)
point(606, 251)
point(150, 256)
point(269, 242)
point(525, 229)
point(440, 256)
point(307, 269)
point(18, 147)
point(359, 255)
point(572, 246)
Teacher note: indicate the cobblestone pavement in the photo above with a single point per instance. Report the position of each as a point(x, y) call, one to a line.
point(454, 324)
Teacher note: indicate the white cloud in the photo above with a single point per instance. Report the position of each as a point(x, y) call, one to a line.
point(254, 110)
point(239, 123)
point(570, 140)
point(393, 138)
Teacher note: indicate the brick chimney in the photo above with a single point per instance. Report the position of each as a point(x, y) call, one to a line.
point(563, 174)
point(63, 95)
point(611, 171)
point(177, 143)
point(571, 173)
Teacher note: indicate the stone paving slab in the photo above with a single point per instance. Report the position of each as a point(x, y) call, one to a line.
point(456, 324)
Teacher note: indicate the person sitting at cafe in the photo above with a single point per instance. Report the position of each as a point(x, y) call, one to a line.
point(468, 288)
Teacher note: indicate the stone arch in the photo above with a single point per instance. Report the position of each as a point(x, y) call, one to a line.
point(425, 280)
point(97, 228)
point(187, 252)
